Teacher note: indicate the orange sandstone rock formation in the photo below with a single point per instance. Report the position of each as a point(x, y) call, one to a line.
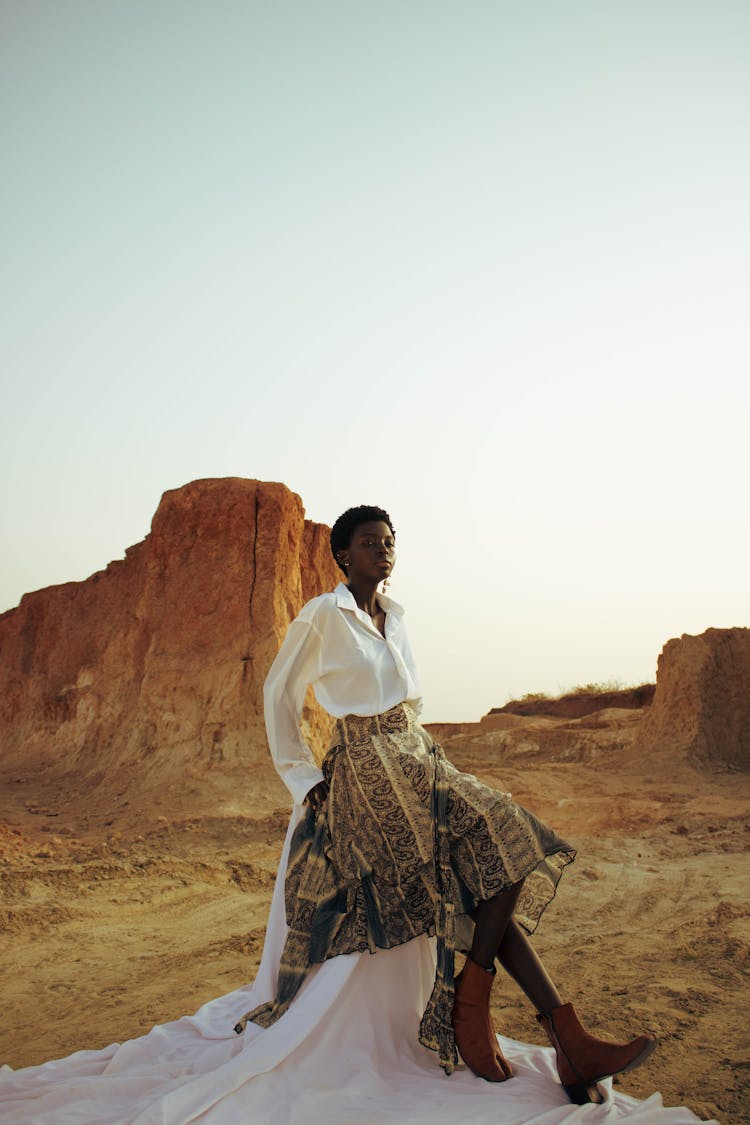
point(702, 701)
point(154, 666)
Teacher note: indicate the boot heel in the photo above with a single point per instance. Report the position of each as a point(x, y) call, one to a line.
point(582, 1093)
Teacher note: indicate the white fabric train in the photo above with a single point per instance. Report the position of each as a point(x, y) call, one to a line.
point(346, 1052)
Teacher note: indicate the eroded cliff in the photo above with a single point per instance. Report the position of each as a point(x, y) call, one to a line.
point(702, 700)
point(151, 671)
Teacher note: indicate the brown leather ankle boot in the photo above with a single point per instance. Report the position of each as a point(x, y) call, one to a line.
point(582, 1059)
point(472, 1024)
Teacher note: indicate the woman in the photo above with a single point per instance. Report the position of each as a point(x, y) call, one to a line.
point(397, 843)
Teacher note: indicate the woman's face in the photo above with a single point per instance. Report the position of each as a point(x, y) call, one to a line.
point(372, 552)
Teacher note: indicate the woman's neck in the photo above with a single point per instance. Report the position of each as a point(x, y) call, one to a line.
point(365, 595)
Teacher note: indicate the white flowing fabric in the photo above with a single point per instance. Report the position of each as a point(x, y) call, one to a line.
point(346, 1051)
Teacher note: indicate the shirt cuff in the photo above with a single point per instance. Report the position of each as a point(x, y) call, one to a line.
point(300, 779)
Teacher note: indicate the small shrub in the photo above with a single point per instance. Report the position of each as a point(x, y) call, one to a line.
point(597, 689)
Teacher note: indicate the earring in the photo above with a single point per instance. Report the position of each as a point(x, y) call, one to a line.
point(385, 585)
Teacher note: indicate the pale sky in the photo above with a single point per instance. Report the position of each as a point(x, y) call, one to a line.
point(485, 264)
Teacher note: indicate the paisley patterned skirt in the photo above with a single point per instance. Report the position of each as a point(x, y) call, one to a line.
point(405, 845)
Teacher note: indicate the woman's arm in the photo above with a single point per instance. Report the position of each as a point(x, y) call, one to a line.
point(296, 666)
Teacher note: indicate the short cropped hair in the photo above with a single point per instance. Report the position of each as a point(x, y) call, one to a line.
point(343, 529)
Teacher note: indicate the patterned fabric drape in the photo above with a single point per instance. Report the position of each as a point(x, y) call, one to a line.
point(405, 845)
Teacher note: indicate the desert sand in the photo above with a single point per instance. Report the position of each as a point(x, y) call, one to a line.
point(119, 914)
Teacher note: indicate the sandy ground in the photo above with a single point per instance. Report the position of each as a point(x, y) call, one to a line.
point(113, 921)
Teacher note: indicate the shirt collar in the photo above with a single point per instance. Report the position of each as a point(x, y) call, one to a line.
point(345, 600)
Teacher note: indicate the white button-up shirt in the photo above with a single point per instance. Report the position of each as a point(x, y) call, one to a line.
point(354, 670)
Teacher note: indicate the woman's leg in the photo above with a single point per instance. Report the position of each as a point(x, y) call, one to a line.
point(472, 1023)
point(582, 1059)
point(518, 957)
point(491, 918)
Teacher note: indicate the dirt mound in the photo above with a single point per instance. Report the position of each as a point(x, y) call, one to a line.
point(510, 738)
point(702, 701)
point(578, 703)
point(441, 731)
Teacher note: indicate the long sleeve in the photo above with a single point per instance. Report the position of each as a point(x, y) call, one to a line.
point(295, 666)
